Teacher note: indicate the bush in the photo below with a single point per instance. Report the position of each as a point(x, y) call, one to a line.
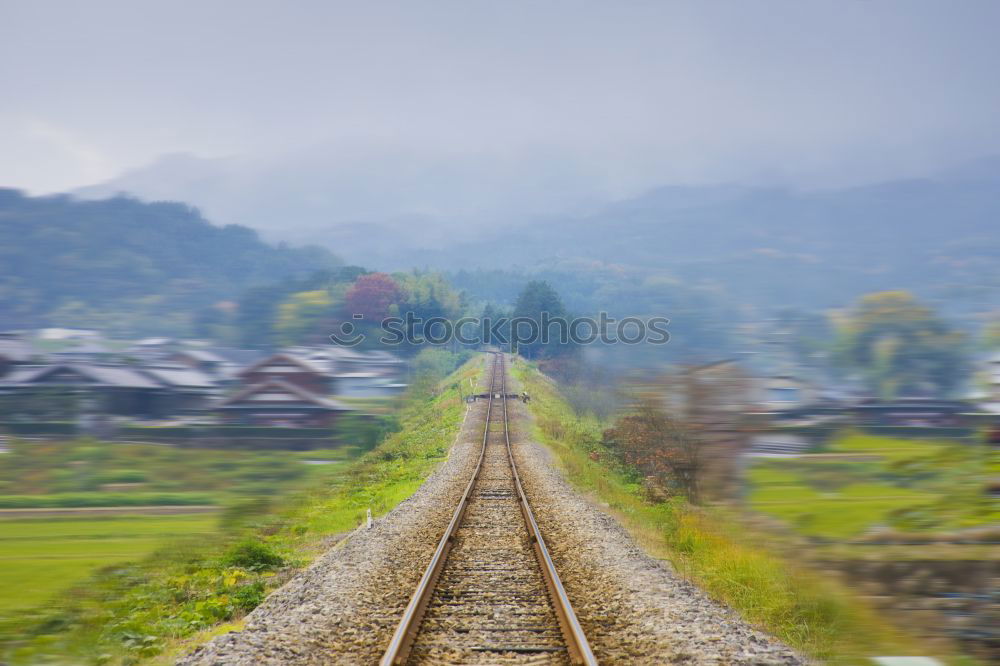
point(433, 364)
point(252, 555)
point(365, 431)
point(248, 597)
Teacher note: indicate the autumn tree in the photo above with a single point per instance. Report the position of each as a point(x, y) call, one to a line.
point(659, 447)
point(372, 295)
point(901, 347)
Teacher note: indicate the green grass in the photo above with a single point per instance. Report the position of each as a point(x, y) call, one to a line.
point(165, 603)
point(906, 485)
point(890, 448)
point(394, 471)
point(95, 499)
point(811, 612)
point(40, 557)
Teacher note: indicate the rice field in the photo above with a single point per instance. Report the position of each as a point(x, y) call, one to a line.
point(41, 556)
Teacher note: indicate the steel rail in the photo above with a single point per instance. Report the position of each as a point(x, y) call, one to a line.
point(576, 640)
point(402, 639)
point(398, 650)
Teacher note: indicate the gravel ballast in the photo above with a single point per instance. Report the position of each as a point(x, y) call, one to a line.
point(344, 608)
point(635, 609)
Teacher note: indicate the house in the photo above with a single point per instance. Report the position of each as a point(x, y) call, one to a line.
point(911, 412)
point(278, 402)
point(383, 363)
point(200, 360)
point(14, 351)
point(103, 389)
point(366, 385)
point(290, 368)
point(67, 334)
point(89, 351)
point(784, 391)
point(187, 390)
point(345, 360)
point(987, 380)
point(156, 344)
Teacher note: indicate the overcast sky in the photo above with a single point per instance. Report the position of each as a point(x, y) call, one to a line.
point(630, 93)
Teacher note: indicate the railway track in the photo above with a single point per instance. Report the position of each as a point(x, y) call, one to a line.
point(490, 593)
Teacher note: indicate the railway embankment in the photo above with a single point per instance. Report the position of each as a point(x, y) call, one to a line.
point(706, 555)
point(344, 608)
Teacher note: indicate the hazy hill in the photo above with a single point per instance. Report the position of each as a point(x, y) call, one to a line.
point(768, 246)
point(125, 265)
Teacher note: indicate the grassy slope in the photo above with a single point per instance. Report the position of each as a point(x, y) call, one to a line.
point(813, 613)
point(164, 605)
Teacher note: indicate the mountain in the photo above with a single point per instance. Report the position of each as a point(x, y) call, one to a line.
point(127, 266)
point(377, 199)
point(764, 246)
point(938, 236)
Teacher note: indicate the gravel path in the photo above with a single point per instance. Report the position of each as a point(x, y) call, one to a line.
point(344, 608)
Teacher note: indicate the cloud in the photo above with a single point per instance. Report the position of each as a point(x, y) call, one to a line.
point(614, 97)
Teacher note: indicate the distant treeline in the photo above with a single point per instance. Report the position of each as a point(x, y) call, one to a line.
point(128, 267)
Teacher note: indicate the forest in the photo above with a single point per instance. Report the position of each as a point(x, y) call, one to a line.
point(128, 267)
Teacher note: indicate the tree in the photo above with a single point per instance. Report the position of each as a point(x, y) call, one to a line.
point(131, 267)
point(372, 295)
point(659, 447)
point(302, 316)
point(536, 298)
point(901, 347)
point(427, 296)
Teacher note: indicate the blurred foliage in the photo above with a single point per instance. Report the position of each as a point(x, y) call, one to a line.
point(906, 485)
point(82, 466)
point(301, 314)
point(662, 449)
point(702, 316)
point(308, 310)
point(431, 365)
point(901, 348)
point(991, 335)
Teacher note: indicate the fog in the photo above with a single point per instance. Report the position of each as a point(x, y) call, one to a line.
point(314, 113)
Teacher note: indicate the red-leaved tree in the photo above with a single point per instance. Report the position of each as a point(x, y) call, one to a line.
point(658, 447)
point(372, 294)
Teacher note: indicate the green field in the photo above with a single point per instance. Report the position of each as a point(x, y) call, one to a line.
point(905, 486)
point(41, 556)
point(279, 510)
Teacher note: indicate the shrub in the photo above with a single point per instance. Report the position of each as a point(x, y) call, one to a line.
point(252, 555)
point(248, 597)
